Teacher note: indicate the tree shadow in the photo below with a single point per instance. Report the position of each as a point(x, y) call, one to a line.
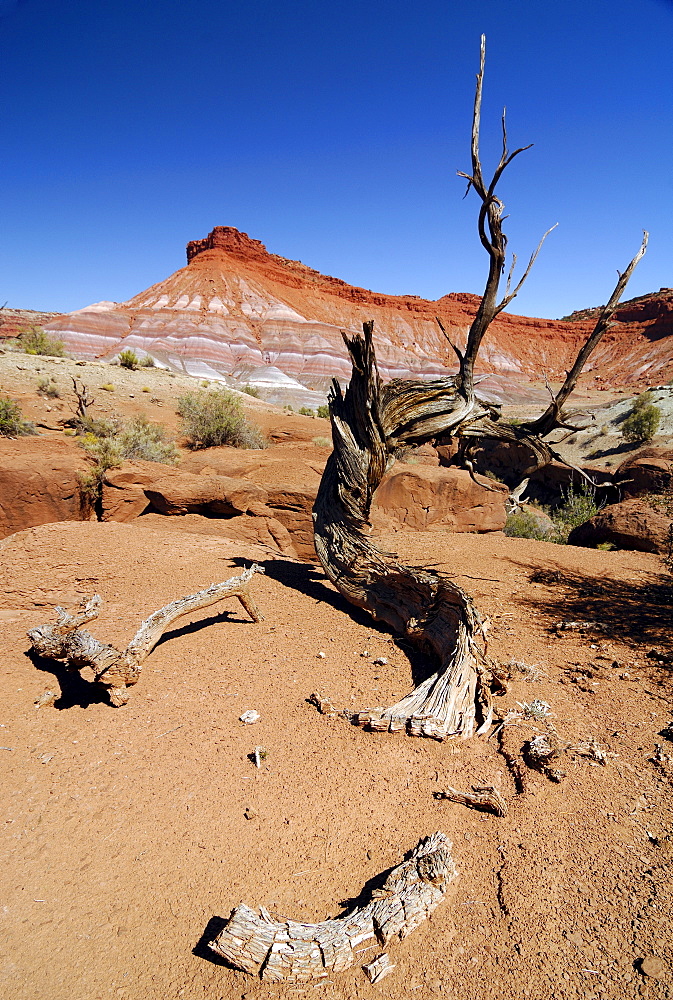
point(75, 689)
point(638, 611)
point(192, 627)
point(310, 580)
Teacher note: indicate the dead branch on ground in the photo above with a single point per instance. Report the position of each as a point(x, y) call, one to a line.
point(115, 669)
point(292, 952)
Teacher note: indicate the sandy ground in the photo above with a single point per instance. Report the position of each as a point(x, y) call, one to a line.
point(129, 834)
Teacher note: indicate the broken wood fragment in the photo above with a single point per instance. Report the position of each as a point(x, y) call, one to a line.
point(116, 669)
point(291, 951)
point(379, 968)
point(485, 797)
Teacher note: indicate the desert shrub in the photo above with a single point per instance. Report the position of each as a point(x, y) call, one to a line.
point(129, 359)
point(322, 442)
point(12, 423)
point(47, 387)
point(145, 388)
point(109, 442)
point(578, 506)
point(36, 341)
point(138, 438)
point(643, 422)
point(323, 411)
point(524, 524)
point(216, 418)
point(147, 362)
point(109, 387)
point(251, 390)
point(306, 411)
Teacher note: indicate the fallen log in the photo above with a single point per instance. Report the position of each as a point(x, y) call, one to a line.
point(115, 669)
point(292, 952)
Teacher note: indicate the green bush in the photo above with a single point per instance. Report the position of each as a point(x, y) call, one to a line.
point(643, 422)
point(36, 341)
point(12, 423)
point(210, 419)
point(129, 359)
point(251, 390)
point(146, 441)
point(109, 442)
point(523, 524)
point(577, 507)
point(306, 411)
point(323, 411)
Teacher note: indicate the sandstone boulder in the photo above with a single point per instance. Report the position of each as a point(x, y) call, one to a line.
point(184, 493)
point(39, 482)
point(648, 471)
point(632, 524)
point(429, 498)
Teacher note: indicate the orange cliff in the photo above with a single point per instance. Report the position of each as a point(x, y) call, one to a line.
point(238, 310)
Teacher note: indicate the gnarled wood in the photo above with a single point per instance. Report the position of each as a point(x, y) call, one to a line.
point(293, 952)
point(370, 422)
point(119, 669)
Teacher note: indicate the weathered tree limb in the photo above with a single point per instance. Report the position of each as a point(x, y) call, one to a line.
point(292, 952)
point(117, 669)
point(485, 797)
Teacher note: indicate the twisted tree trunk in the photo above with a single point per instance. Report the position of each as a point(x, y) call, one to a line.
point(369, 423)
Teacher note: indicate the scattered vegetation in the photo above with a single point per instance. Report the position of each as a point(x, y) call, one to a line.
point(643, 422)
point(306, 411)
point(47, 387)
point(251, 390)
point(210, 419)
point(578, 506)
point(36, 341)
point(322, 442)
point(109, 442)
point(129, 359)
point(147, 361)
point(323, 411)
point(12, 423)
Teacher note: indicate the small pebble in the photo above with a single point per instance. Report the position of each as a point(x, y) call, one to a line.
point(249, 717)
point(320, 655)
point(381, 660)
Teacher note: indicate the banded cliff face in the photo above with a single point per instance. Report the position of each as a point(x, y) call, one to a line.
point(237, 310)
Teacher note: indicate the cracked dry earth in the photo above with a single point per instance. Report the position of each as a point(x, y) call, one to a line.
point(129, 834)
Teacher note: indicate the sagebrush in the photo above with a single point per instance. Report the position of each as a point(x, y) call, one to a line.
point(12, 423)
point(643, 422)
point(212, 419)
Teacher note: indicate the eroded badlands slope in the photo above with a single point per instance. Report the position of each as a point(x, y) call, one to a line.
point(236, 309)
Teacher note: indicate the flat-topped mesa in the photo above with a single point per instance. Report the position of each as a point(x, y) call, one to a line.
point(231, 240)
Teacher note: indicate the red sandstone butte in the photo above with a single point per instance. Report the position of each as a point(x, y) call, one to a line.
point(237, 309)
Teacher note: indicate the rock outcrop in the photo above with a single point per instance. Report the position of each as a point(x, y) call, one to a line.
point(632, 524)
point(435, 499)
point(38, 483)
point(238, 311)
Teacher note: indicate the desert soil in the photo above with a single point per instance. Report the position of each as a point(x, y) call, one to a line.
point(129, 834)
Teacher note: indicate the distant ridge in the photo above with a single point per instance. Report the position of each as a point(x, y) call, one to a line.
point(238, 312)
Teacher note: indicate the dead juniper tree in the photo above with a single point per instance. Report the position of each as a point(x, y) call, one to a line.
point(370, 423)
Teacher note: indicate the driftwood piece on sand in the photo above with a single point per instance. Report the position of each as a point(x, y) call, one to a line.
point(293, 952)
point(117, 669)
point(485, 797)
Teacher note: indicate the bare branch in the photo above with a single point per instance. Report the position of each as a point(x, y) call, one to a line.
point(549, 419)
point(511, 295)
point(451, 344)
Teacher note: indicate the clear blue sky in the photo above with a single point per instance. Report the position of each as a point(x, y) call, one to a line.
point(332, 132)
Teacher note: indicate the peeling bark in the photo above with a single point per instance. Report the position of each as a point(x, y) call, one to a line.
point(291, 952)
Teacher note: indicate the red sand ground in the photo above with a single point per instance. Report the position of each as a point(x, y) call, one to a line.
point(124, 831)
